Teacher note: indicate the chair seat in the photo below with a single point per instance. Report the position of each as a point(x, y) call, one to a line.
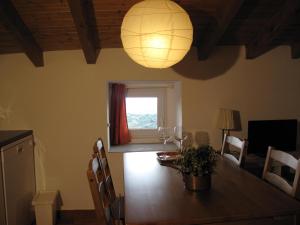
point(118, 209)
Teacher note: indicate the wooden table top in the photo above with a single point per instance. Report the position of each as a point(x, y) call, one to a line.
point(155, 194)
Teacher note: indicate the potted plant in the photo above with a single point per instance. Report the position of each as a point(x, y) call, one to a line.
point(196, 166)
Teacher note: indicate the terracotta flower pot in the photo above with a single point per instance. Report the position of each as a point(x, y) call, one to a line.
point(197, 183)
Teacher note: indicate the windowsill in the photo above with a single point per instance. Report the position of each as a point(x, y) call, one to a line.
point(144, 147)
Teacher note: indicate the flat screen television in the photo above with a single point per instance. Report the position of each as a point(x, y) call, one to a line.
point(281, 134)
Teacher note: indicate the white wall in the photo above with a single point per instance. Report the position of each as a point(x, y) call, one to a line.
point(65, 103)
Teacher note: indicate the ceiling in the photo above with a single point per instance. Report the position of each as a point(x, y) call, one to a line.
point(35, 26)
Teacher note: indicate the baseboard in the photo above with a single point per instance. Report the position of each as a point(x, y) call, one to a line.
point(76, 216)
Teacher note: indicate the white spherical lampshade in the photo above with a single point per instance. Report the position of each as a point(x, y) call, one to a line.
point(156, 33)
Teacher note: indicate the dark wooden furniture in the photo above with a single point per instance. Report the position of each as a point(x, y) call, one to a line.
point(116, 202)
point(99, 150)
point(99, 194)
point(155, 194)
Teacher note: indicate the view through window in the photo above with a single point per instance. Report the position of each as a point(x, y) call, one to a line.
point(141, 112)
point(150, 105)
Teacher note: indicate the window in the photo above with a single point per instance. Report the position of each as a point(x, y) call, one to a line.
point(149, 105)
point(141, 112)
point(145, 110)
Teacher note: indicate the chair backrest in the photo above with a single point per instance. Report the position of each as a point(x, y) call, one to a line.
point(99, 148)
point(240, 146)
point(99, 193)
point(110, 188)
point(285, 159)
point(99, 151)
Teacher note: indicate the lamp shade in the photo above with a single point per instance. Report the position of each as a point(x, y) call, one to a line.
point(156, 33)
point(226, 119)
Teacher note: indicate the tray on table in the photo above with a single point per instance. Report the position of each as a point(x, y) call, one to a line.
point(168, 158)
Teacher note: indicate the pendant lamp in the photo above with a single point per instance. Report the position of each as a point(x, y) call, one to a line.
point(156, 33)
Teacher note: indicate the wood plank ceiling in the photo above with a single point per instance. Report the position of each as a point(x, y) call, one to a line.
point(35, 26)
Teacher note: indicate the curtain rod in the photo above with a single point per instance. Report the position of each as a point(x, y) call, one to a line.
point(149, 86)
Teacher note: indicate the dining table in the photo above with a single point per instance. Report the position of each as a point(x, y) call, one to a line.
point(155, 194)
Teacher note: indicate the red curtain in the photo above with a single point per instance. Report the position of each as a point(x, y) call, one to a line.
point(119, 133)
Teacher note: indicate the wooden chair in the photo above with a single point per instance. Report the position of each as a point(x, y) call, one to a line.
point(240, 146)
point(116, 202)
point(99, 151)
point(99, 194)
point(285, 159)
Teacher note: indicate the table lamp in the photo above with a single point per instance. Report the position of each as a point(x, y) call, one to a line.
point(226, 121)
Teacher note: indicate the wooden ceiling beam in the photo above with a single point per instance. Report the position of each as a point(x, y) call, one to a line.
point(295, 50)
point(14, 23)
point(84, 18)
point(211, 39)
point(262, 42)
